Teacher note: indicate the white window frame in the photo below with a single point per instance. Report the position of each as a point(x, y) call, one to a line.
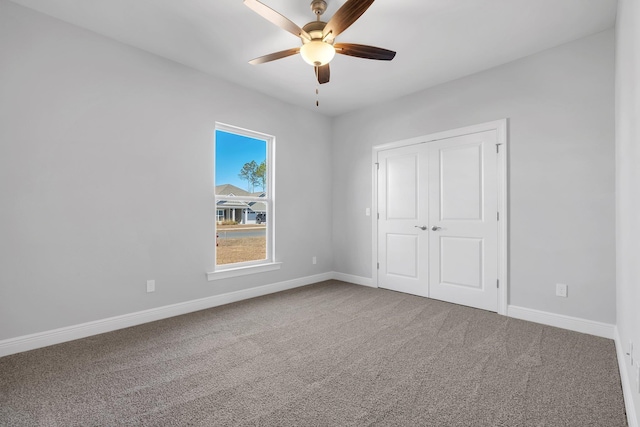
point(258, 266)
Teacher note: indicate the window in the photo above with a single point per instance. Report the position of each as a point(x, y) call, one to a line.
point(243, 188)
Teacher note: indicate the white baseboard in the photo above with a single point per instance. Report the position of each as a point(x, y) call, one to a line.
point(69, 333)
point(627, 388)
point(356, 280)
point(83, 330)
point(577, 324)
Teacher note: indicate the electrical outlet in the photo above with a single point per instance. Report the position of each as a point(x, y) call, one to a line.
point(561, 290)
point(314, 260)
point(151, 285)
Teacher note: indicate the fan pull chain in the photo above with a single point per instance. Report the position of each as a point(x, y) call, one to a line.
point(317, 102)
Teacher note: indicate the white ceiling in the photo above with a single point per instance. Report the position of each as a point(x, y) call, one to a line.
point(435, 40)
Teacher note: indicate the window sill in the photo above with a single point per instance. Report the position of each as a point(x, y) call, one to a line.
point(243, 271)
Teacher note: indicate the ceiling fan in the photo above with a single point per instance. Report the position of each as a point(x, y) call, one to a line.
point(318, 37)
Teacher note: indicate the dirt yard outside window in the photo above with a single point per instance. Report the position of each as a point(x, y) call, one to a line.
point(240, 243)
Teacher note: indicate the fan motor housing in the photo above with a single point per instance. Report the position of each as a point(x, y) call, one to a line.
point(314, 29)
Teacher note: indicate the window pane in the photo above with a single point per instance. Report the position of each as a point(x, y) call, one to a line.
point(241, 165)
point(241, 243)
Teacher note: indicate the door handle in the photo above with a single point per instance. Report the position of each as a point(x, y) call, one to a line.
point(436, 228)
point(421, 227)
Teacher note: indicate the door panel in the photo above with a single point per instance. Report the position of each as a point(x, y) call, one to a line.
point(402, 185)
point(402, 255)
point(461, 182)
point(461, 261)
point(402, 206)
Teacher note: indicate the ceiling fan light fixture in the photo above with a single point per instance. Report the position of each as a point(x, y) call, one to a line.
point(319, 38)
point(317, 52)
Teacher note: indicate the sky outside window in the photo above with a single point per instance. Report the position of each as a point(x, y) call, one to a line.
point(232, 152)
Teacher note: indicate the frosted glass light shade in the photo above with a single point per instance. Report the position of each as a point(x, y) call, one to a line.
point(317, 52)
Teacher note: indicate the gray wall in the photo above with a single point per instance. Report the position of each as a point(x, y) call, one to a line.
point(628, 184)
point(561, 199)
point(106, 177)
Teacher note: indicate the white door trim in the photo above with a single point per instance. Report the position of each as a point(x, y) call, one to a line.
point(500, 126)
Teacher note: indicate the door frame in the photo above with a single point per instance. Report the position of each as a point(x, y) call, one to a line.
point(501, 128)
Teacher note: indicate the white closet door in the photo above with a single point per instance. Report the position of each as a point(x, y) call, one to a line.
point(463, 199)
point(402, 226)
point(438, 225)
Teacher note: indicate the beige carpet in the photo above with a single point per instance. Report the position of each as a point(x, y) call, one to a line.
point(330, 354)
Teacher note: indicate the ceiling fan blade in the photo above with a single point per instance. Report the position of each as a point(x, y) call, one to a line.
point(364, 51)
point(274, 17)
point(322, 73)
point(274, 56)
point(345, 16)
